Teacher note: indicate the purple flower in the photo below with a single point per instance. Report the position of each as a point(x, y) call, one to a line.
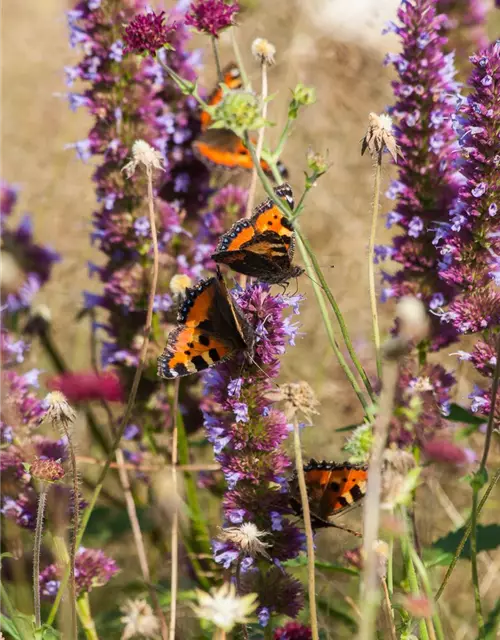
point(148, 33)
point(211, 16)
point(426, 186)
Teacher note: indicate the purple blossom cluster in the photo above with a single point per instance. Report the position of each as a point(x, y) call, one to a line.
point(470, 242)
point(465, 28)
point(426, 187)
point(92, 569)
point(211, 16)
point(247, 433)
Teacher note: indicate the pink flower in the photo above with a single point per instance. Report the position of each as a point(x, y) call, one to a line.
point(80, 387)
point(148, 33)
point(211, 16)
point(446, 451)
point(293, 631)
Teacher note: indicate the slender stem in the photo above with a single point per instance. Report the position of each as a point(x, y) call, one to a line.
point(260, 143)
point(175, 517)
point(311, 583)
point(412, 578)
point(473, 562)
point(282, 141)
point(42, 501)
point(131, 399)
point(467, 531)
point(283, 208)
point(217, 60)
point(139, 540)
point(85, 615)
point(371, 263)
point(65, 426)
point(389, 615)
point(328, 325)
point(390, 566)
point(370, 581)
point(491, 417)
point(424, 578)
point(239, 59)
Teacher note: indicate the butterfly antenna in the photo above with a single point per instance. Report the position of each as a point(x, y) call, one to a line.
point(315, 282)
point(262, 370)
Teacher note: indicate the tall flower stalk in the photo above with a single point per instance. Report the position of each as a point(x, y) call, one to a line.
point(426, 187)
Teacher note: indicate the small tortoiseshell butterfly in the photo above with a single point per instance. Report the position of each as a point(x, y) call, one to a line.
point(211, 329)
point(262, 246)
point(332, 489)
point(222, 147)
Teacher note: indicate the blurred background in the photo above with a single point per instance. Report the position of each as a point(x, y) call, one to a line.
point(332, 45)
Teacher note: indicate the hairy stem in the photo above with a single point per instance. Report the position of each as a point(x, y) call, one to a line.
point(311, 582)
point(37, 547)
point(473, 562)
point(131, 399)
point(371, 263)
point(369, 596)
point(175, 516)
point(217, 59)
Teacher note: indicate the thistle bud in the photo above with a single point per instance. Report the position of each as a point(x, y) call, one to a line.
point(47, 470)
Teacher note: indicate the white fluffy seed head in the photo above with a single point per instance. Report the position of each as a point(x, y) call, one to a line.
point(263, 51)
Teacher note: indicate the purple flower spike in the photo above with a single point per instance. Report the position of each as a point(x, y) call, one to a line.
point(426, 186)
point(147, 33)
point(211, 16)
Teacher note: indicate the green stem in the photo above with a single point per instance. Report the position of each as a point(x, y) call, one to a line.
point(5, 599)
point(371, 264)
point(282, 141)
point(473, 561)
point(131, 399)
point(412, 579)
point(390, 566)
point(328, 326)
point(175, 518)
point(468, 529)
point(311, 582)
point(239, 59)
point(83, 608)
point(37, 547)
point(217, 60)
point(286, 211)
point(422, 572)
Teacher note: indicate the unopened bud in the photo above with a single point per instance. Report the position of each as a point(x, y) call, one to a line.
point(317, 162)
point(47, 470)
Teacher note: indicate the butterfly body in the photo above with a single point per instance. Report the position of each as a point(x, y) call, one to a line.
point(262, 246)
point(210, 329)
point(332, 488)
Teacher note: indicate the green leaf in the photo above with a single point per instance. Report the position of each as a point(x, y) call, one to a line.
point(488, 538)
point(21, 627)
point(492, 623)
point(7, 626)
point(460, 414)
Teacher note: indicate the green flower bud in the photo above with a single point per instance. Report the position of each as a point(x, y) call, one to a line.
point(359, 444)
point(317, 163)
point(302, 96)
point(239, 111)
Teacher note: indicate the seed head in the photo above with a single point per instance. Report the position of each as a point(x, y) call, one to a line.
point(139, 620)
point(47, 470)
point(247, 538)
point(379, 136)
point(317, 162)
point(263, 51)
point(298, 396)
point(413, 319)
point(143, 153)
point(59, 411)
point(224, 608)
point(179, 283)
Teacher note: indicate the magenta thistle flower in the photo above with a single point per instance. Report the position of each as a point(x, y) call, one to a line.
point(82, 387)
point(92, 569)
point(148, 33)
point(426, 186)
point(211, 16)
point(293, 631)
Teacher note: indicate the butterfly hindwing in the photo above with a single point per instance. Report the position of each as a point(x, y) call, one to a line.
point(209, 331)
point(332, 489)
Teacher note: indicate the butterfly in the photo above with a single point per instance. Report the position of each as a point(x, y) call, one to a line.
point(210, 329)
point(262, 246)
point(332, 488)
point(222, 147)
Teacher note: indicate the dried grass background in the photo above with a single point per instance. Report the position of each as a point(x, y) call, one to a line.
point(332, 45)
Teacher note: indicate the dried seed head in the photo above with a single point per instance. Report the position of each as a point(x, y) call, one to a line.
point(143, 153)
point(59, 411)
point(139, 620)
point(263, 51)
point(413, 319)
point(247, 538)
point(179, 283)
point(224, 608)
point(397, 482)
point(298, 396)
point(47, 470)
point(378, 136)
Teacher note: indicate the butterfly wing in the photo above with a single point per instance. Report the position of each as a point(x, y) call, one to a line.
point(332, 489)
point(267, 217)
point(222, 148)
point(207, 332)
